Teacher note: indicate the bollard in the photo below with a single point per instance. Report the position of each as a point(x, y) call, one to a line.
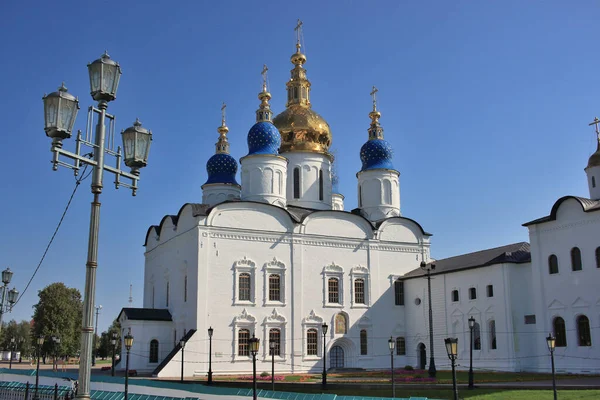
point(27, 391)
point(56, 391)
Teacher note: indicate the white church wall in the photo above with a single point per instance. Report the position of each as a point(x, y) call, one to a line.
point(593, 176)
point(337, 225)
point(143, 333)
point(400, 230)
point(257, 217)
point(379, 193)
point(309, 165)
point(264, 179)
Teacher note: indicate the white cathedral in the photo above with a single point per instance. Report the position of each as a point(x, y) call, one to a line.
point(277, 257)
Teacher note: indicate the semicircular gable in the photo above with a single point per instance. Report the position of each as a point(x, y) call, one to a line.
point(251, 216)
point(401, 230)
point(338, 224)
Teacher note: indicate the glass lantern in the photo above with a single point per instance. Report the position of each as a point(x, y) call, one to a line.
point(60, 111)
point(12, 296)
point(104, 78)
point(6, 276)
point(136, 145)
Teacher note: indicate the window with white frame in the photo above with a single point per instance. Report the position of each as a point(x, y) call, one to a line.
point(360, 286)
point(274, 283)
point(243, 326)
point(365, 330)
point(274, 327)
point(333, 286)
point(243, 342)
point(274, 342)
point(312, 341)
point(244, 282)
point(400, 346)
point(312, 337)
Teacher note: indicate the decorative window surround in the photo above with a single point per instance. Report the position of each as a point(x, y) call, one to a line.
point(333, 271)
point(239, 267)
point(365, 324)
point(360, 272)
point(242, 321)
point(275, 320)
point(274, 267)
point(315, 322)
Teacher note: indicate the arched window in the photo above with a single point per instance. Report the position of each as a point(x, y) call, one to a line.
point(154, 351)
point(311, 342)
point(363, 342)
point(597, 257)
point(152, 296)
point(576, 259)
point(321, 184)
point(297, 183)
point(593, 181)
point(476, 337)
point(455, 297)
point(274, 287)
point(553, 264)
point(167, 294)
point(244, 286)
point(360, 196)
point(560, 332)
point(399, 292)
point(243, 342)
point(359, 291)
point(583, 331)
point(275, 338)
point(185, 288)
point(334, 293)
point(400, 346)
point(492, 325)
point(472, 293)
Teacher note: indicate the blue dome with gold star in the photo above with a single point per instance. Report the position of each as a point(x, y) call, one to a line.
point(376, 154)
point(221, 168)
point(263, 138)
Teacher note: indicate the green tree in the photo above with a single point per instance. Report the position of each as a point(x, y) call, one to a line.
point(21, 332)
point(58, 313)
point(105, 348)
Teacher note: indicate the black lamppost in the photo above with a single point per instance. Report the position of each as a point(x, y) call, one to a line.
point(428, 268)
point(254, 343)
point(272, 349)
point(12, 349)
point(324, 328)
point(40, 343)
point(210, 333)
point(56, 341)
point(391, 345)
point(452, 350)
point(182, 345)
point(113, 341)
point(98, 308)
point(128, 343)
point(551, 341)
point(471, 326)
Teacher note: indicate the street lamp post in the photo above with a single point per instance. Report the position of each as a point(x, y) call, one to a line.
point(551, 342)
point(428, 268)
point(210, 333)
point(60, 111)
point(98, 308)
point(7, 295)
point(182, 345)
point(40, 343)
point(272, 348)
point(128, 343)
point(452, 350)
point(12, 349)
point(56, 341)
point(391, 345)
point(113, 341)
point(254, 343)
point(471, 326)
point(324, 329)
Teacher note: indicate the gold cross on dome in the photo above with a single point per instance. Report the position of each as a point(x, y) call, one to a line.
point(596, 122)
point(223, 107)
point(298, 30)
point(374, 95)
point(264, 76)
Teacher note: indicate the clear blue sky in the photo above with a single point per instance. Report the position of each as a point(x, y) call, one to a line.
point(485, 103)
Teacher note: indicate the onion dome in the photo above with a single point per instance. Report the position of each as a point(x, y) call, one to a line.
point(300, 127)
point(222, 167)
point(594, 160)
point(377, 153)
point(263, 137)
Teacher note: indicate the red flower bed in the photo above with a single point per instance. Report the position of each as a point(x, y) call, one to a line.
point(261, 378)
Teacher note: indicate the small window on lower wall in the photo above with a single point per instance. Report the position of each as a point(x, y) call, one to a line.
point(472, 293)
point(530, 319)
point(455, 295)
point(400, 346)
point(363, 342)
point(490, 290)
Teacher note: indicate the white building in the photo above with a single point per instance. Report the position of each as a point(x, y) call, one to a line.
point(277, 257)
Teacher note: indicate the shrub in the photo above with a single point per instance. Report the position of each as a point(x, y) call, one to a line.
point(408, 367)
point(264, 373)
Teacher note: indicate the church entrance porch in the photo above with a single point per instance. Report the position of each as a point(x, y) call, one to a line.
point(422, 354)
point(336, 355)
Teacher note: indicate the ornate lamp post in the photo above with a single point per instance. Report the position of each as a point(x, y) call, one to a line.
point(7, 295)
point(452, 350)
point(113, 341)
point(40, 343)
point(471, 326)
point(56, 341)
point(60, 111)
point(272, 349)
point(324, 329)
point(98, 308)
point(128, 343)
point(210, 333)
point(551, 342)
point(182, 345)
point(254, 344)
point(12, 348)
point(428, 268)
point(391, 345)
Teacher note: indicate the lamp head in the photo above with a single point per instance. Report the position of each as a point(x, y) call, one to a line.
point(451, 347)
point(182, 343)
point(12, 296)
point(391, 344)
point(40, 340)
point(254, 344)
point(471, 322)
point(210, 331)
point(136, 145)
point(324, 327)
point(551, 342)
point(6, 276)
point(104, 78)
point(60, 111)
point(128, 340)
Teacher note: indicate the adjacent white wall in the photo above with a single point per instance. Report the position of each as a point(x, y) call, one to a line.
point(309, 165)
point(264, 179)
point(379, 193)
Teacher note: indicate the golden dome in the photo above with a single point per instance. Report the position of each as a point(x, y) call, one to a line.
point(302, 129)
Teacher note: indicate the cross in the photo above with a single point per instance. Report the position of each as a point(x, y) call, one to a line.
point(223, 107)
point(374, 95)
point(264, 76)
point(596, 122)
point(298, 30)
